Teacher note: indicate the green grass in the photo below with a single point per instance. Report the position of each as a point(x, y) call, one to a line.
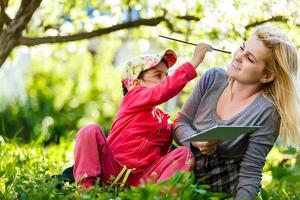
point(26, 170)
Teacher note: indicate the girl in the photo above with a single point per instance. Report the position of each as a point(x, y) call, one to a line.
point(140, 137)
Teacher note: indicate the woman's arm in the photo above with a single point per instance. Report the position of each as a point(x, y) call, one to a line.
point(183, 125)
point(260, 143)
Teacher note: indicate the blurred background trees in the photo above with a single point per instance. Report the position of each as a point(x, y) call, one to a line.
point(61, 59)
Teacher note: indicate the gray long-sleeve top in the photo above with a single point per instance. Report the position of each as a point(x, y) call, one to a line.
point(251, 149)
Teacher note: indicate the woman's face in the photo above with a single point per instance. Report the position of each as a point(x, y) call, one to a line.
point(248, 62)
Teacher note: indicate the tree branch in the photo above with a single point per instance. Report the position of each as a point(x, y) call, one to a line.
point(272, 19)
point(9, 37)
point(32, 41)
point(188, 18)
point(4, 19)
point(1, 15)
point(86, 35)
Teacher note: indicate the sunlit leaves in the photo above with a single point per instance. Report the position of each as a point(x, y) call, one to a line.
point(281, 175)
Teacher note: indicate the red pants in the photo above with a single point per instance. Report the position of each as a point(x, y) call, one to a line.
point(94, 159)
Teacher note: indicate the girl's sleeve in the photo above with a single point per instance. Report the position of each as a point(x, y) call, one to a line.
point(260, 143)
point(148, 97)
point(183, 125)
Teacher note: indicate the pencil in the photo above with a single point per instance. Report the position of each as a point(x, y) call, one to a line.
point(220, 50)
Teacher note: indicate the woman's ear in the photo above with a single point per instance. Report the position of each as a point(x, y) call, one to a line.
point(267, 78)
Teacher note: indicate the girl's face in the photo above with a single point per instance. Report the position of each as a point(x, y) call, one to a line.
point(155, 75)
point(248, 62)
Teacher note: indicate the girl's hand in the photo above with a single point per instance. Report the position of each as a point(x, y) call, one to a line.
point(199, 53)
point(207, 147)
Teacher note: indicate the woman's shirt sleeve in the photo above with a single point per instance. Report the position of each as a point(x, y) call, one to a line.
point(260, 143)
point(183, 125)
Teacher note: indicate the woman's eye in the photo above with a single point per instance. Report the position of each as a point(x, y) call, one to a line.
point(242, 48)
point(248, 57)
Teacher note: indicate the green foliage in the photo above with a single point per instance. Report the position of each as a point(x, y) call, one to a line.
point(63, 94)
point(281, 175)
point(180, 186)
point(25, 168)
point(26, 172)
point(67, 85)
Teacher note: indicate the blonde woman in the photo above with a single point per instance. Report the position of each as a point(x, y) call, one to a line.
point(258, 88)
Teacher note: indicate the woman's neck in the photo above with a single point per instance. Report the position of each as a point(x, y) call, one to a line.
point(243, 92)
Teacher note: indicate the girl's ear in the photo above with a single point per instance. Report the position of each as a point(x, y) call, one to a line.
point(267, 78)
point(136, 82)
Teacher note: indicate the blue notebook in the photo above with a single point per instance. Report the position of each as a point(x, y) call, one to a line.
point(220, 133)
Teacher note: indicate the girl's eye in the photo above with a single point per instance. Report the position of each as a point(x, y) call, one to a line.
point(242, 48)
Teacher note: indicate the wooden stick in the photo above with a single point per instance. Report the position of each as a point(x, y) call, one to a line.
point(220, 50)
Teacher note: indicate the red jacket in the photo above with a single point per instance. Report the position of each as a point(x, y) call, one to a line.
point(141, 133)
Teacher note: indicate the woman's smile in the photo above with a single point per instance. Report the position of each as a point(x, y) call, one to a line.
point(235, 66)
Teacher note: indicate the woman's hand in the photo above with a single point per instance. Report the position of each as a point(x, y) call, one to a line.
point(207, 147)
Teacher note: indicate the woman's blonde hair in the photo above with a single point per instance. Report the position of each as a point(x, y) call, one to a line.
point(282, 61)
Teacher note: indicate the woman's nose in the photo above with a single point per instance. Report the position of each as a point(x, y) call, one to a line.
point(238, 56)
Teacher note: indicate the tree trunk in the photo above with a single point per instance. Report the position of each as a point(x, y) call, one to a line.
point(10, 35)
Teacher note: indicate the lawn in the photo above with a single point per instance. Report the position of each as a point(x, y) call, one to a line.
point(26, 170)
